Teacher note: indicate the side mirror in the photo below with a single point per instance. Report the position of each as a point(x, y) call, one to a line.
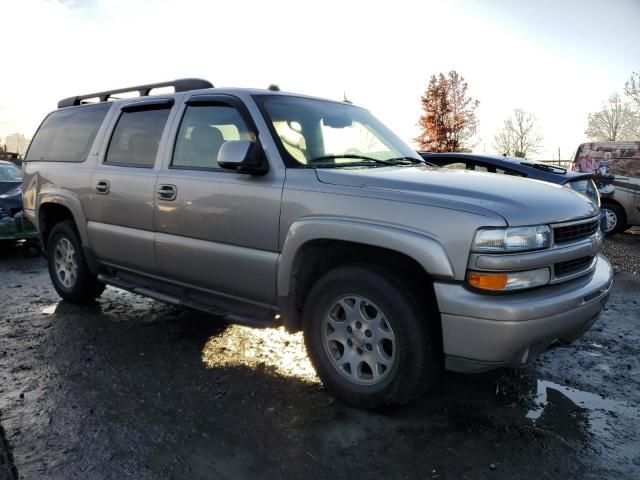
point(244, 156)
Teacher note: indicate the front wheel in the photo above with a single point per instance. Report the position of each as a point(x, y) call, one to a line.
point(368, 338)
point(68, 268)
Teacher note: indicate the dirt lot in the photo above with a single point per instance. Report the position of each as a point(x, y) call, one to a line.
point(133, 388)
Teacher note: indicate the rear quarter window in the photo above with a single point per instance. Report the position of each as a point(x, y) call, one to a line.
point(67, 135)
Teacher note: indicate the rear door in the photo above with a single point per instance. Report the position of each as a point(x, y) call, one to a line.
point(217, 229)
point(120, 212)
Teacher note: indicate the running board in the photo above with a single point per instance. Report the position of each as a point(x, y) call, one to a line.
point(246, 320)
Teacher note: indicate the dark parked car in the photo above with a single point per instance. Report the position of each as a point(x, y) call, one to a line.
point(13, 226)
point(519, 167)
point(10, 176)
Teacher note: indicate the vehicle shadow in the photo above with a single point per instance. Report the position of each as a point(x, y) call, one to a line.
point(160, 392)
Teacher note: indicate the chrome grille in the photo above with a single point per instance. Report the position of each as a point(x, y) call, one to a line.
point(572, 266)
point(576, 231)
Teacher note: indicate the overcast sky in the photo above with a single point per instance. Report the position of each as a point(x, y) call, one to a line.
point(558, 59)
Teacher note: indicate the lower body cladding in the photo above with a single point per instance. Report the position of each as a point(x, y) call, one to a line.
point(481, 332)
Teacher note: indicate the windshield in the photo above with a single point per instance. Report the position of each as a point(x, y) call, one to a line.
point(586, 187)
point(322, 133)
point(10, 173)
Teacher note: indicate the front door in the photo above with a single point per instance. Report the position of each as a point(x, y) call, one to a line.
point(120, 211)
point(217, 229)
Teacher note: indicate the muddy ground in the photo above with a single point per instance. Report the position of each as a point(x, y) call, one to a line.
point(132, 388)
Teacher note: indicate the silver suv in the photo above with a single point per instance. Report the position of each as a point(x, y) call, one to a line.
point(269, 207)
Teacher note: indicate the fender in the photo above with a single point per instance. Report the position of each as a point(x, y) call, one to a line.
point(66, 199)
point(425, 250)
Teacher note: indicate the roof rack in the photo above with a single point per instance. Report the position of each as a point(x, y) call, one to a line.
point(180, 85)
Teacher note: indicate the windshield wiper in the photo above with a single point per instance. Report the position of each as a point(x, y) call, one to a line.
point(365, 160)
point(412, 160)
point(347, 155)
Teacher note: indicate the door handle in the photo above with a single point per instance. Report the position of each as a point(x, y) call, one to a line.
point(167, 192)
point(102, 186)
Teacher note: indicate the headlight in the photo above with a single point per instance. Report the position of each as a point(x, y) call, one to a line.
point(504, 282)
point(512, 239)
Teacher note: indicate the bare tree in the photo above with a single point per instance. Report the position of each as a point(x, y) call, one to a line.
point(632, 88)
point(519, 135)
point(17, 143)
point(617, 120)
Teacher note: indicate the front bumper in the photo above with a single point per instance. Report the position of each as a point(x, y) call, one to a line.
point(481, 332)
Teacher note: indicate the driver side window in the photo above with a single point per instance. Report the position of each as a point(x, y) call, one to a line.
point(203, 130)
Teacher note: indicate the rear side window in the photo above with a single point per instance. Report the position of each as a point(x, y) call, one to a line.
point(67, 135)
point(136, 138)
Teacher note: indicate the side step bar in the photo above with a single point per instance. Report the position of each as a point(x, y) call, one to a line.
point(228, 317)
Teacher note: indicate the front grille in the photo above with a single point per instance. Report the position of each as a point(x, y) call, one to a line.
point(571, 233)
point(572, 266)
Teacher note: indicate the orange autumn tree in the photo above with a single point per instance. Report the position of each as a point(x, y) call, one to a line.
point(449, 121)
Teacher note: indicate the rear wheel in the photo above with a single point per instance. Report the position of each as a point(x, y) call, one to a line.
point(368, 338)
point(68, 268)
point(615, 220)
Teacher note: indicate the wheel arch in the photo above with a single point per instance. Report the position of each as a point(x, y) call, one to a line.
point(58, 205)
point(313, 248)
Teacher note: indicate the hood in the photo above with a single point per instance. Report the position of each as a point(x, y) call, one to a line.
point(12, 199)
point(6, 186)
point(518, 200)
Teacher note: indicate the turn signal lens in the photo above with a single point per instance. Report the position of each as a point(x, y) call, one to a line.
point(509, 281)
point(487, 281)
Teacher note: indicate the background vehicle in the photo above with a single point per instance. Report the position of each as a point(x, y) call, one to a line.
point(621, 205)
point(580, 182)
point(13, 226)
point(10, 176)
point(273, 207)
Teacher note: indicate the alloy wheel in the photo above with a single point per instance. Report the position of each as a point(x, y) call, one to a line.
point(359, 340)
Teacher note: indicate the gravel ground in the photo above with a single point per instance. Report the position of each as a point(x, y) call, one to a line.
point(623, 251)
point(133, 388)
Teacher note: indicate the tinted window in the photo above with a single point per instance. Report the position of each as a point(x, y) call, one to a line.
point(457, 165)
point(136, 138)
point(67, 135)
point(202, 132)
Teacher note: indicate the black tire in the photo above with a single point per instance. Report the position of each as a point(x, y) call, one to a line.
point(416, 364)
point(620, 218)
point(84, 287)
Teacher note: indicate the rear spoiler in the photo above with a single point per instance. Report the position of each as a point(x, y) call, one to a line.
point(577, 176)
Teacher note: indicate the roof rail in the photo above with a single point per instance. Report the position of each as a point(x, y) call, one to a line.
point(180, 85)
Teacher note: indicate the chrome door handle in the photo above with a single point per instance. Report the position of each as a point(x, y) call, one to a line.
point(167, 192)
point(102, 186)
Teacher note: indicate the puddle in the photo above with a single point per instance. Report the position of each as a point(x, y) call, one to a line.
point(599, 411)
